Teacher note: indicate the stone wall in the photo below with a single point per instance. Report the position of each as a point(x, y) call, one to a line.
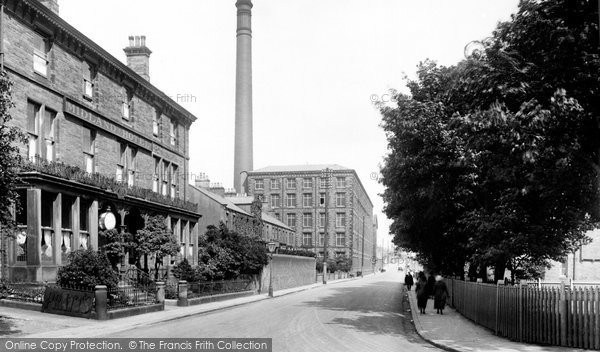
point(289, 271)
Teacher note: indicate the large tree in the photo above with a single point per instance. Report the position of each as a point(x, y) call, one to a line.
point(494, 161)
point(10, 159)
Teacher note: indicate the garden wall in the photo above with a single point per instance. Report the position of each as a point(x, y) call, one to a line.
point(289, 271)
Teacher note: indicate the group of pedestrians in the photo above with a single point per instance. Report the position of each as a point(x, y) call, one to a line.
point(428, 287)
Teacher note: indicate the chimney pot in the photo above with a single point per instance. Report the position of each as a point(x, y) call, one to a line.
point(130, 40)
point(143, 39)
point(137, 40)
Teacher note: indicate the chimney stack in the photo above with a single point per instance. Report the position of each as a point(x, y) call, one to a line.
point(202, 181)
point(243, 96)
point(138, 56)
point(51, 4)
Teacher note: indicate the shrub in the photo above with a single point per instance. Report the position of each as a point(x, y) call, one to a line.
point(87, 268)
point(298, 252)
point(184, 271)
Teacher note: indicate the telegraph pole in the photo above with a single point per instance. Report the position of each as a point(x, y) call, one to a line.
point(326, 175)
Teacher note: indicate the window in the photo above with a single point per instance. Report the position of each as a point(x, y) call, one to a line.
point(278, 216)
point(21, 234)
point(307, 239)
point(40, 124)
point(156, 123)
point(321, 199)
point(290, 200)
point(340, 239)
point(291, 220)
point(88, 145)
point(340, 182)
point(126, 166)
point(340, 220)
point(321, 239)
point(321, 219)
point(323, 182)
point(48, 127)
point(33, 128)
point(291, 183)
point(307, 220)
point(89, 75)
point(174, 180)
point(275, 200)
point(41, 48)
point(340, 199)
point(307, 200)
point(165, 178)
point(307, 182)
point(47, 238)
point(259, 184)
point(127, 109)
point(173, 133)
point(157, 174)
point(275, 183)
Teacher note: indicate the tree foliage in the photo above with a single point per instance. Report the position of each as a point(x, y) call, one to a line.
point(225, 254)
point(155, 240)
point(494, 161)
point(10, 160)
point(87, 268)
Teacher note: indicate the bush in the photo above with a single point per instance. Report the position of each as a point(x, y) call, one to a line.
point(184, 271)
point(298, 252)
point(171, 292)
point(87, 268)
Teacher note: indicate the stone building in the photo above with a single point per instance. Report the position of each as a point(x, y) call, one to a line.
point(105, 146)
point(296, 195)
point(246, 220)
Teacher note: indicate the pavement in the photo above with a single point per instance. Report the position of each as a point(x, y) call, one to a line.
point(453, 332)
point(32, 324)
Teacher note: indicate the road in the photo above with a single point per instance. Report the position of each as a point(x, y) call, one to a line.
point(370, 314)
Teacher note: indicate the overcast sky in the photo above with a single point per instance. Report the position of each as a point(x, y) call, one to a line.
point(317, 66)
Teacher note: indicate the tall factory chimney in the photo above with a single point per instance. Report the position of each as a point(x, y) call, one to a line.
point(243, 96)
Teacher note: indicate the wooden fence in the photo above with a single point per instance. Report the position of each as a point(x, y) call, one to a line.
point(553, 315)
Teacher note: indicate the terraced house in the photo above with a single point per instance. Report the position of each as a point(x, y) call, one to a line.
point(105, 146)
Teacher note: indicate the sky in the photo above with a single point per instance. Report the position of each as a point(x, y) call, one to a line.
point(318, 65)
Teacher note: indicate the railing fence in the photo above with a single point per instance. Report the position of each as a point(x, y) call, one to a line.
point(545, 314)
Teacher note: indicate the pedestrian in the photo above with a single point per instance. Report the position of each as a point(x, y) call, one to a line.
point(421, 291)
point(408, 281)
point(430, 283)
point(440, 293)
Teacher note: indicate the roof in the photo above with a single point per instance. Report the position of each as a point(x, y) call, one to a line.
point(241, 199)
point(92, 47)
point(273, 220)
point(221, 200)
point(300, 168)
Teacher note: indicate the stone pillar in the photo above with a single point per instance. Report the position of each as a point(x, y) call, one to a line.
point(160, 292)
point(101, 293)
point(188, 239)
point(93, 224)
point(75, 209)
point(194, 234)
point(243, 94)
point(57, 226)
point(34, 227)
point(182, 300)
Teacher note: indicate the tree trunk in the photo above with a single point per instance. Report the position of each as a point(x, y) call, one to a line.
point(499, 270)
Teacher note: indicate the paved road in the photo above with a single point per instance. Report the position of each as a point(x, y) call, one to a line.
point(370, 314)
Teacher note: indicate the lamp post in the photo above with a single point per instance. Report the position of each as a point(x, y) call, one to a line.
point(271, 247)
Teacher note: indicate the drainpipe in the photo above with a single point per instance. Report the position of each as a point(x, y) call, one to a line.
point(2, 35)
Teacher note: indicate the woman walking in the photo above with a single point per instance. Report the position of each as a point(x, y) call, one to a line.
point(421, 291)
point(408, 281)
point(440, 294)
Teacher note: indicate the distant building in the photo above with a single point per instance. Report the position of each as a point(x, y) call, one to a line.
point(583, 265)
point(245, 218)
point(296, 195)
point(105, 146)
